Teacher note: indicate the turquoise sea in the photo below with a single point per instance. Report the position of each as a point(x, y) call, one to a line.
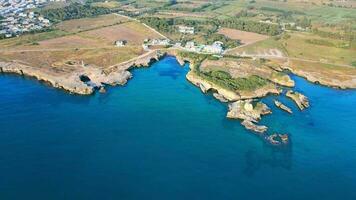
point(159, 137)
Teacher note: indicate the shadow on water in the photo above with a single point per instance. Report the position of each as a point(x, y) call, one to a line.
point(271, 156)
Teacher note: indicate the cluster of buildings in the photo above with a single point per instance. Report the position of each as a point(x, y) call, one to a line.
point(285, 25)
point(292, 25)
point(18, 17)
point(155, 42)
point(215, 48)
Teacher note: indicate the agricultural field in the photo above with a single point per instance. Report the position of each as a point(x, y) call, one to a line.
point(306, 46)
point(133, 32)
point(245, 37)
point(78, 25)
point(90, 40)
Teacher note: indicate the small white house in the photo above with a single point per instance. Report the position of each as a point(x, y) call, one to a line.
point(186, 29)
point(120, 43)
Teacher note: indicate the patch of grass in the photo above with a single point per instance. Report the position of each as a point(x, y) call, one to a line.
point(106, 4)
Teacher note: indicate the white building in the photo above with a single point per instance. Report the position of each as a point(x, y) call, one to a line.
point(186, 29)
point(120, 43)
point(215, 48)
point(158, 42)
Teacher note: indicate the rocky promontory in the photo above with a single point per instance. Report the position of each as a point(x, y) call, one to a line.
point(229, 95)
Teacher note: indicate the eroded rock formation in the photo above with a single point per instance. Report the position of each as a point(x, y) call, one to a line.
point(249, 113)
point(301, 100)
point(282, 106)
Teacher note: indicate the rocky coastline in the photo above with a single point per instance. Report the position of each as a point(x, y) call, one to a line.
point(318, 78)
point(82, 80)
point(85, 80)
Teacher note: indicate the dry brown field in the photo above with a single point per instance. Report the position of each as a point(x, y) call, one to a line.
point(71, 41)
point(77, 25)
point(243, 36)
point(133, 32)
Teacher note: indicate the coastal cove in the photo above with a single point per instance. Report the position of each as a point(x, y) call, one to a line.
point(159, 136)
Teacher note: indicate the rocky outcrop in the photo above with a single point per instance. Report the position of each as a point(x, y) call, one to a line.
point(301, 100)
point(102, 90)
point(245, 110)
point(220, 97)
point(282, 106)
point(249, 113)
point(68, 82)
point(283, 80)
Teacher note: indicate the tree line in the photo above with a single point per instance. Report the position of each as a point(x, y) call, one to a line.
point(74, 11)
point(166, 25)
point(251, 26)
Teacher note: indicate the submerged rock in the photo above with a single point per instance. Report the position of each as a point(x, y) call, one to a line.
point(253, 127)
point(282, 106)
point(102, 90)
point(278, 139)
point(301, 100)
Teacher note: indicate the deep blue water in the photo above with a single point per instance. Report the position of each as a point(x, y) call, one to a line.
point(159, 137)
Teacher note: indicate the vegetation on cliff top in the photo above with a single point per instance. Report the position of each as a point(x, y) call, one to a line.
point(223, 78)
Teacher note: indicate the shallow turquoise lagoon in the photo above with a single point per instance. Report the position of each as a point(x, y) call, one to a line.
point(159, 137)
